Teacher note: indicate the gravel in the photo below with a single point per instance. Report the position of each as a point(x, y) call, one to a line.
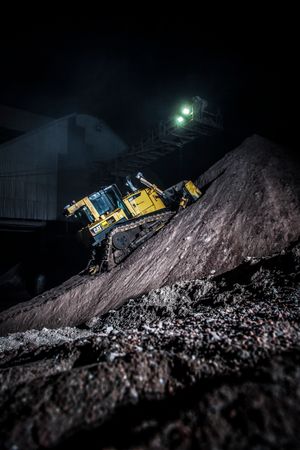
point(207, 362)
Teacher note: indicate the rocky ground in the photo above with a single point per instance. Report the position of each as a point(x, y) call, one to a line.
point(211, 363)
point(250, 208)
point(192, 342)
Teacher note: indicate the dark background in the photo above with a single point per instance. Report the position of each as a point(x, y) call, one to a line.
point(134, 71)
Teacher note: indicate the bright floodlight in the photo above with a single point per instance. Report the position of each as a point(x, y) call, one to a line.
point(186, 111)
point(180, 119)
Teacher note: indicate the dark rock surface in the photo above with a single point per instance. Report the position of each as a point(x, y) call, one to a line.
point(250, 208)
point(206, 363)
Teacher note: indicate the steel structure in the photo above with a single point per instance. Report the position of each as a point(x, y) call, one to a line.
point(167, 137)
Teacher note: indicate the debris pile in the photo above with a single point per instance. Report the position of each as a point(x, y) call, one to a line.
point(250, 208)
point(212, 362)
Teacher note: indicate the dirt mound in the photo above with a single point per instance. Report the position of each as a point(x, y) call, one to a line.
point(250, 208)
point(211, 362)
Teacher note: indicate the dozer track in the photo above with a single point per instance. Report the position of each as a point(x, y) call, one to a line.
point(125, 238)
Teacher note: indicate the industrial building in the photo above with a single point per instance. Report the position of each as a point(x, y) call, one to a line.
point(45, 168)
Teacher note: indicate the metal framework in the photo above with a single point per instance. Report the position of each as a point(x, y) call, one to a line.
point(166, 138)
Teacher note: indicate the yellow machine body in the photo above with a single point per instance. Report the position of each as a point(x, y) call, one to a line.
point(143, 201)
point(107, 221)
point(192, 189)
point(85, 202)
point(138, 203)
point(100, 220)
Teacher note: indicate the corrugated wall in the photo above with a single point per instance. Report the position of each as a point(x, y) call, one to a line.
point(43, 170)
point(28, 173)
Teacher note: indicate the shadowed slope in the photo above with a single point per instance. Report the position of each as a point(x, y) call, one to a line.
point(251, 208)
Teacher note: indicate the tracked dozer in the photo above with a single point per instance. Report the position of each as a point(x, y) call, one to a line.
point(114, 225)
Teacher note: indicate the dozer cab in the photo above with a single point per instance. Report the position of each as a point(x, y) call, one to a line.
point(114, 225)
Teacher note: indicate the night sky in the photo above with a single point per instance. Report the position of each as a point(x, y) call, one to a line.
point(133, 73)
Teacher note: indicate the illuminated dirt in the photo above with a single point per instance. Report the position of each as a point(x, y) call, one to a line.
point(204, 353)
point(250, 208)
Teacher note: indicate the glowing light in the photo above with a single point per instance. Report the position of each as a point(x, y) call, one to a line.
point(180, 120)
point(186, 111)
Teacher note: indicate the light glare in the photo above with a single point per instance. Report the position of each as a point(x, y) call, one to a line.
point(186, 111)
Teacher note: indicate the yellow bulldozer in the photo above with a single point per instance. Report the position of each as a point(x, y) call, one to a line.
point(114, 225)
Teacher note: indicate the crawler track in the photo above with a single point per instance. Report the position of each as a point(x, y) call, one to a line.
point(135, 232)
